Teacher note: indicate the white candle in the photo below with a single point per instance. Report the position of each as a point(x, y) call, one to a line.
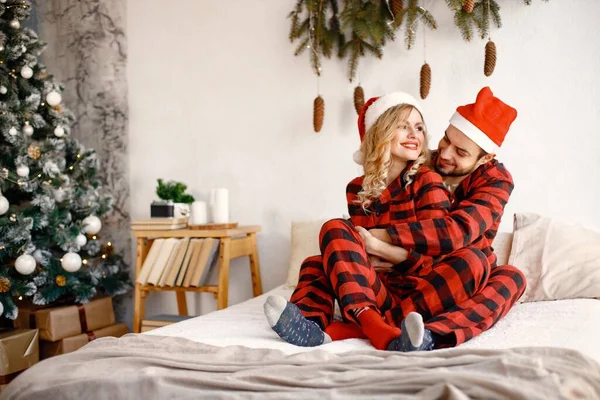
point(199, 214)
point(219, 204)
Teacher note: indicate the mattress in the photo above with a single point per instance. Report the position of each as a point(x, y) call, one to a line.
point(573, 324)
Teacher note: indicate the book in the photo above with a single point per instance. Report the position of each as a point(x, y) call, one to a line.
point(192, 249)
point(164, 319)
point(150, 260)
point(162, 260)
point(193, 262)
point(170, 274)
point(205, 261)
point(160, 221)
point(158, 227)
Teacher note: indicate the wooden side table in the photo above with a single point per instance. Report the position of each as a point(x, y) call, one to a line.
point(234, 243)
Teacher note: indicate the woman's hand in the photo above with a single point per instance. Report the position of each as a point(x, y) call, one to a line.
point(380, 265)
point(372, 244)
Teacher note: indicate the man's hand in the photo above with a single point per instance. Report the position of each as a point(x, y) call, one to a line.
point(381, 234)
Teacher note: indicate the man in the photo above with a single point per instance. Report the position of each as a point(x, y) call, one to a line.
point(481, 187)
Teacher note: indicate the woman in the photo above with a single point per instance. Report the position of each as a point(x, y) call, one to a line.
point(355, 268)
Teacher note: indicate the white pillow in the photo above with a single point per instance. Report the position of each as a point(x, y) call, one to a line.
point(305, 243)
point(559, 260)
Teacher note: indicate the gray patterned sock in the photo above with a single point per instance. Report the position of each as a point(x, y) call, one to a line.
point(288, 322)
point(414, 337)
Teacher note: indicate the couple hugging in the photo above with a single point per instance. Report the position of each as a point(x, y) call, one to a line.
point(413, 267)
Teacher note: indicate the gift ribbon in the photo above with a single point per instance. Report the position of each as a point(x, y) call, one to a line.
point(82, 318)
point(91, 336)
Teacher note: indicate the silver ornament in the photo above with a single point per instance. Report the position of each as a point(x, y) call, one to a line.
point(15, 24)
point(26, 72)
point(53, 98)
point(12, 131)
point(25, 264)
point(3, 90)
point(27, 129)
point(23, 171)
point(71, 262)
point(59, 131)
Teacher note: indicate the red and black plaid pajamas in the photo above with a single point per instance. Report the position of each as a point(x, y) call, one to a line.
point(478, 206)
point(343, 272)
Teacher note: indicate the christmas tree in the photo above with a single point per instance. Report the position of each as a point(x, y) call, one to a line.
point(51, 199)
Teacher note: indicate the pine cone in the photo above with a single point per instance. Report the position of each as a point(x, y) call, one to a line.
point(397, 6)
point(469, 5)
point(490, 58)
point(4, 285)
point(318, 113)
point(359, 98)
point(34, 152)
point(61, 280)
point(425, 80)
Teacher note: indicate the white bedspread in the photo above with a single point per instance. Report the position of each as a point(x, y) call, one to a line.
point(573, 324)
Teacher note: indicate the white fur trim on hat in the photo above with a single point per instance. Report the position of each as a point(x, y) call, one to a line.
point(473, 132)
point(385, 102)
point(358, 157)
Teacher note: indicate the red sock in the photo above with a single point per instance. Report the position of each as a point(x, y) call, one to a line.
point(338, 330)
point(376, 329)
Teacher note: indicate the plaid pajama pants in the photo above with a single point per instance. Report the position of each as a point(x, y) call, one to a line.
point(458, 297)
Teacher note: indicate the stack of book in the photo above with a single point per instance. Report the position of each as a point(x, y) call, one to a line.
point(162, 224)
point(179, 262)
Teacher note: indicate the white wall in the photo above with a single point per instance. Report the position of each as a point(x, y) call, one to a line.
point(217, 99)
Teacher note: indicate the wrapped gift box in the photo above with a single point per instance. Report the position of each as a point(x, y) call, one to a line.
point(56, 323)
point(70, 344)
point(19, 350)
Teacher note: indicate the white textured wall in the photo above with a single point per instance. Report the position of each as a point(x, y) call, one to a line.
point(218, 99)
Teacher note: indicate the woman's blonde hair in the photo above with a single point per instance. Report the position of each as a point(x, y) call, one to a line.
point(376, 150)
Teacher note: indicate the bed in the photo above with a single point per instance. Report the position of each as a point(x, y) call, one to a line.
point(540, 350)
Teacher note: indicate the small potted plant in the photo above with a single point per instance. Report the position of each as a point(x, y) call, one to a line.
point(175, 203)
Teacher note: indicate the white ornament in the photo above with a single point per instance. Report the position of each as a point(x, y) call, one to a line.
point(1, 305)
point(53, 98)
point(3, 205)
point(59, 195)
point(92, 225)
point(71, 262)
point(13, 131)
point(25, 264)
point(38, 256)
point(1, 48)
point(81, 240)
point(15, 24)
point(23, 48)
point(26, 72)
point(27, 129)
point(2, 1)
point(59, 131)
point(3, 90)
point(23, 171)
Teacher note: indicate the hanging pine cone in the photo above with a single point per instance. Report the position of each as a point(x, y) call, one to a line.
point(4, 285)
point(469, 5)
point(359, 98)
point(490, 58)
point(425, 80)
point(397, 6)
point(318, 113)
point(34, 152)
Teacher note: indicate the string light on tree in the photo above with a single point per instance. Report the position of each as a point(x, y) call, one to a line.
point(26, 72)
point(71, 262)
point(25, 264)
point(53, 98)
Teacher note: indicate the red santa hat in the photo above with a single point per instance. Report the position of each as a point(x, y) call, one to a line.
point(374, 108)
point(486, 122)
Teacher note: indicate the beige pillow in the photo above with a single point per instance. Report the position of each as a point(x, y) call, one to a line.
point(305, 243)
point(560, 260)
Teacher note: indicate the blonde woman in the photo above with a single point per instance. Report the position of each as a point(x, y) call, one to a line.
point(363, 273)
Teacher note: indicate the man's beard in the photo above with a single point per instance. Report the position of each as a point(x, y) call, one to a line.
point(457, 173)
